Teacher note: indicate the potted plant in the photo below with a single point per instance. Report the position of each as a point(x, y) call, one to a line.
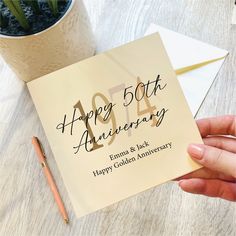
point(41, 36)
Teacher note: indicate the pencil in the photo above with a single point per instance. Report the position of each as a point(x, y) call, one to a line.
point(49, 177)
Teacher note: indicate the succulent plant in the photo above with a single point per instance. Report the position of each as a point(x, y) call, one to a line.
point(16, 8)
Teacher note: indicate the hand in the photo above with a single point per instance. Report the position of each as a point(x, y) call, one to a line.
point(217, 155)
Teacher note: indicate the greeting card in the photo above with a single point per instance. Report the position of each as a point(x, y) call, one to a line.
point(117, 123)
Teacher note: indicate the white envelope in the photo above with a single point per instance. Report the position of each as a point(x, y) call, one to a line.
point(196, 63)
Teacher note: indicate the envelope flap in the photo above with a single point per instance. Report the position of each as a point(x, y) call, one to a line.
point(185, 51)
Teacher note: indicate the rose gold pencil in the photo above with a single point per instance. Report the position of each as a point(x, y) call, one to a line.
point(49, 177)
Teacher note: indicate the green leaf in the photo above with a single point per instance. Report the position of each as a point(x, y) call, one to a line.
point(53, 5)
point(50, 4)
point(17, 11)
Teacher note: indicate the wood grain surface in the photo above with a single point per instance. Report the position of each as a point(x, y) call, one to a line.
point(26, 203)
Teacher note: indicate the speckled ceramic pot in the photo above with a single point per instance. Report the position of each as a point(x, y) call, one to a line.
point(66, 42)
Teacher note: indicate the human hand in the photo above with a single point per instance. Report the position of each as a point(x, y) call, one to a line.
point(217, 155)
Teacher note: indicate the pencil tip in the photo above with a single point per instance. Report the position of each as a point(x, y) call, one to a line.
point(66, 221)
point(34, 139)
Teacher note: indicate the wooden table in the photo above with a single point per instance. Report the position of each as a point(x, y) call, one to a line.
point(26, 203)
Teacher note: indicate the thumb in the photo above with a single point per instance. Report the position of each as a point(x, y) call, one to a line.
point(213, 158)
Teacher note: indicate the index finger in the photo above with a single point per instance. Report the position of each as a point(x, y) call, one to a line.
point(221, 125)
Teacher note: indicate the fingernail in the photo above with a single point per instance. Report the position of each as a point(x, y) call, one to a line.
point(196, 151)
point(182, 183)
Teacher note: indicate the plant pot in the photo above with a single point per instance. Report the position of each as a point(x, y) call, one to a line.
point(64, 43)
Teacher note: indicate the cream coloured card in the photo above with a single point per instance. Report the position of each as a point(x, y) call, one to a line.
point(117, 123)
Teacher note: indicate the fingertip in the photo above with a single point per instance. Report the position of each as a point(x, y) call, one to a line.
point(196, 150)
point(192, 185)
point(203, 125)
point(210, 187)
point(183, 183)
